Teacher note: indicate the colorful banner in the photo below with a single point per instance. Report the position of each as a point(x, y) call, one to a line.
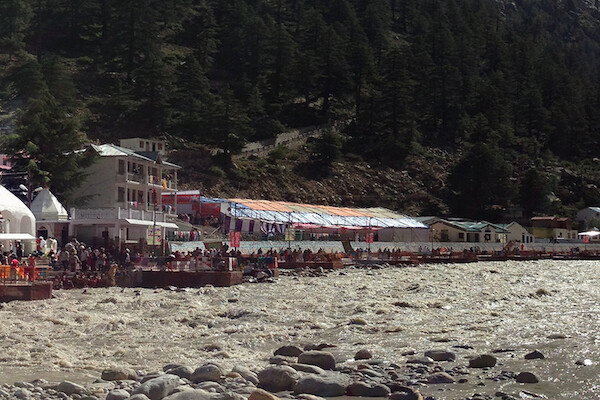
point(154, 236)
point(290, 234)
point(234, 239)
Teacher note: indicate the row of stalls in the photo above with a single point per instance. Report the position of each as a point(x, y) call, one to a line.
point(264, 219)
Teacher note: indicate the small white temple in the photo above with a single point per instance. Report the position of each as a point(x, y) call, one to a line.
point(51, 216)
point(17, 223)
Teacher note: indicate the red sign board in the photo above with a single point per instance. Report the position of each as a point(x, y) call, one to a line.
point(370, 237)
point(234, 239)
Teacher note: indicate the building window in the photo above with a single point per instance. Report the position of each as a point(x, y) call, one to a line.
point(141, 144)
point(121, 167)
point(444, 236)
point(159, 146)
point(461, 235)
point(121, 194)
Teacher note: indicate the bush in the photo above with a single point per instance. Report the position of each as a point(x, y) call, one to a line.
point(217, 172)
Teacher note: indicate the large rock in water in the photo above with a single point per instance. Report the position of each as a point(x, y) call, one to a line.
point(321, 386)
point(70, 388)
point(159, 387)
point(208, 372)
point(363, 354)
point(535, 355)
point(483, 361)
point(182, 371)
point(246, 374)
point(406, 393)
point(288, 351)
point(118, 394)
point(365, 390)
point(440, 355)
point(118, 374)
point(319, 358)
point(527, 377)
point(277, 379)
point(440, 377)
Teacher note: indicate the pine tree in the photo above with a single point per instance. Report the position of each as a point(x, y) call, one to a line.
point(15, 19)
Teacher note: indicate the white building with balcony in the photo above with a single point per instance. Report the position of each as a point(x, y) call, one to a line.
point(141, 144)
point(122, 197)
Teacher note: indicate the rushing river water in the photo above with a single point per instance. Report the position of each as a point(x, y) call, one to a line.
point(516, 306)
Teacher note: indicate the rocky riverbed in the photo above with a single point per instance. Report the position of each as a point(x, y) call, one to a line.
point(470, 331)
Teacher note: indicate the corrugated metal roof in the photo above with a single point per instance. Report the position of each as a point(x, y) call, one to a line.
point(112, 150)
point(296, 213)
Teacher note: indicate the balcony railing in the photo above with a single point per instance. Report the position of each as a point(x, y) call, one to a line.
point(164, 183)
point(116, 213)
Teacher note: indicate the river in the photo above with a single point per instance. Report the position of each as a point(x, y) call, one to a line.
point(516, 306)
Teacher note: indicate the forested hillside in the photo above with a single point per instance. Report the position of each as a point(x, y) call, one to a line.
point(510, 91)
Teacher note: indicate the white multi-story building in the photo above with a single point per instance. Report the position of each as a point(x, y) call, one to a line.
point(144, 145)
point(122, 196)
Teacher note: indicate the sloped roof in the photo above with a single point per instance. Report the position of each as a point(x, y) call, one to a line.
point(475, 226)
point(112, 150)
point(46, 207)
point(296, 213)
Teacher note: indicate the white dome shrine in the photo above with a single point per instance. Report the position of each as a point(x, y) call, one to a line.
point(17, 222)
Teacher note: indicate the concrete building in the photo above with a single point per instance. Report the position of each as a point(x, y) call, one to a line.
point(467, 231)
point(553, 228)
point(144, 145)
point(122, 197)
point(127, 179)
point(517, 233)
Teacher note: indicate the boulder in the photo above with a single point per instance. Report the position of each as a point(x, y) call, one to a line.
point(319, 358)
point(246, 374)
point(527, 377)
point(22, 394)
point(310, 369)
point(260, 394)
point(210, 386)
point(70, 388)
point(585, 362)
point(277, 379)
point(363, 389)
point(281, 360)
point(139, 396)
point(194, 394)
point(324, 386)
point(118, 374)
point(440, 355)
point(229, 395)
point(118, 394)
point(406, 393)
point(534, 355)
point(420, 360)
point(363, 354)
point(306, 396)
point(483, 361)
point(207, 372)
point(158, 387)
point(182, 371)
point(289, 351)
point(440, 377)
